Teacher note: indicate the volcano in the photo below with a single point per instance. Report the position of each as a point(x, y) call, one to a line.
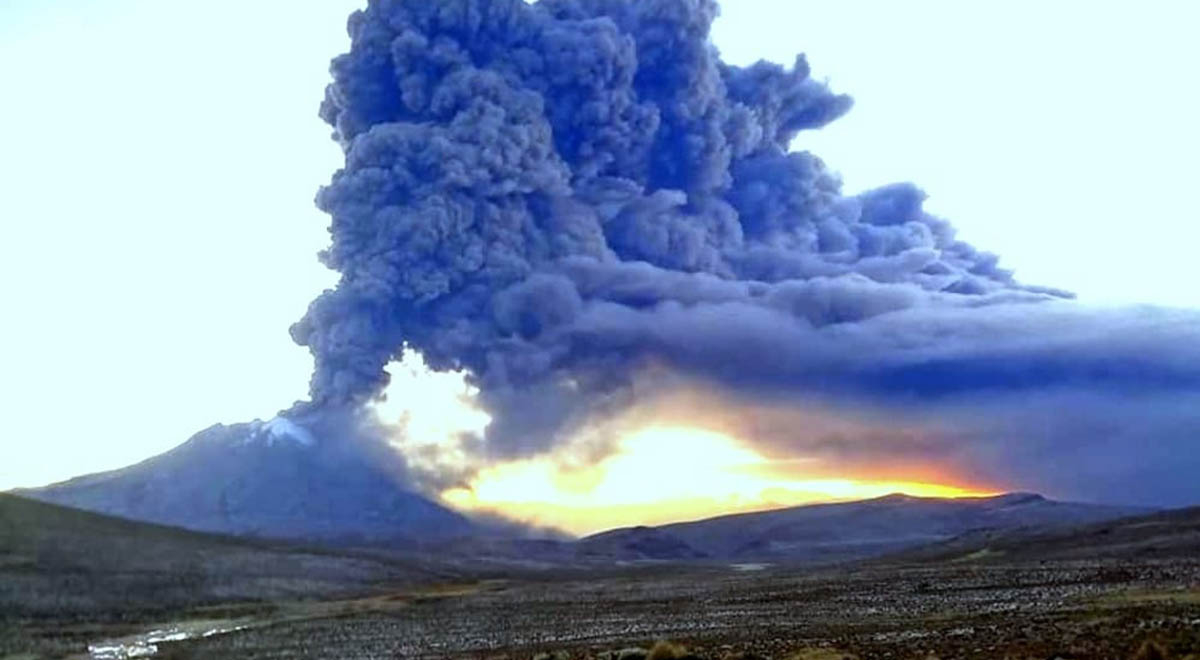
point(272, 479)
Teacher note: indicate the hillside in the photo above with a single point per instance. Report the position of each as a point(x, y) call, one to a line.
point(1164, 535)
point(636, 543)
point(272, 479)
point(853, 530)
point(61, 562)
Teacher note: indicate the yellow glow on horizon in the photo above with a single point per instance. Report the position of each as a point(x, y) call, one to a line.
point(662, 469)
point(660, 475)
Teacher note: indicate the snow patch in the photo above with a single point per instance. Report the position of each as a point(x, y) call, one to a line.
point(279, 429)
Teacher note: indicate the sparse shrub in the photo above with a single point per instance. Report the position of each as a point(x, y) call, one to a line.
point(821, 654)
point(1151, 651)
point(665, 650)
point(629, 654)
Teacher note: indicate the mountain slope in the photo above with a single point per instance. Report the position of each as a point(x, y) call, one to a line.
point(268, 479)
point(63, 562)
point(636, 543)
point(853, 530)
point(1166, 534)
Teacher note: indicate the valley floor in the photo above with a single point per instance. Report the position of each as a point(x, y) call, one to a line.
point(964, 609)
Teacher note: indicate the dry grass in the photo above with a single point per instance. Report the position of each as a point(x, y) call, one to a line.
point(1154, 651)
point(665, 650)
point(1181, 596)
point(62, 564)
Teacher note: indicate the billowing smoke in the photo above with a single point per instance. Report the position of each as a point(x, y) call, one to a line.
point(555, 196)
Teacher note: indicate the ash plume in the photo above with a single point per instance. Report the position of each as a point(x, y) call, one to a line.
point(553, 196)
point(514, 170)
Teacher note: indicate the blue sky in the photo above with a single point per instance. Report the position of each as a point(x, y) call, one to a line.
point(137, 318)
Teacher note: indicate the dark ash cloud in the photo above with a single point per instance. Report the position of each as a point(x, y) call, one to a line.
point(554, 196)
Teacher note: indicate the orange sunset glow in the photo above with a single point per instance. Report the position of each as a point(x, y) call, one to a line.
point(654, 467)
point(657, 476)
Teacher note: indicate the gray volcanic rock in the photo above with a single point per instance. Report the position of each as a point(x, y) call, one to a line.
point(855, 530)
point(268, 479)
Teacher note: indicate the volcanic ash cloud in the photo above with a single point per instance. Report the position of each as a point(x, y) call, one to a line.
point(553, 196)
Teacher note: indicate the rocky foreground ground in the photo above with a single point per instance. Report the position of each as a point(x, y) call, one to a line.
point(83, 586)
point(966, 609)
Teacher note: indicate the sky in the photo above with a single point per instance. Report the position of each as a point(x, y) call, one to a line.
point(162, 162)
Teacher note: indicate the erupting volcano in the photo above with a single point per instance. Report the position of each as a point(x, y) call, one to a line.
point(604, 227)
